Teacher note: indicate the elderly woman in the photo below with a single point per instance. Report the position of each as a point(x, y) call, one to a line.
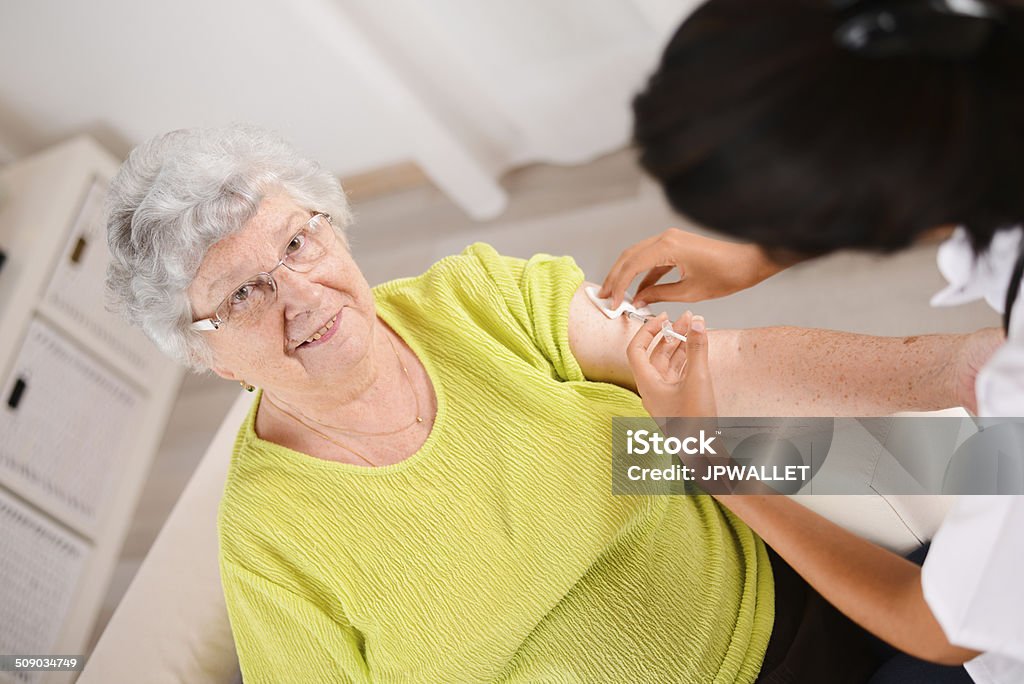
point(421, 492)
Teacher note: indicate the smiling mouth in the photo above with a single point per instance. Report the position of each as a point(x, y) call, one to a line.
point(324, 331)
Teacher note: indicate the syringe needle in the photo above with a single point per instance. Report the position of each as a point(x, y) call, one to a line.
point(639, 317)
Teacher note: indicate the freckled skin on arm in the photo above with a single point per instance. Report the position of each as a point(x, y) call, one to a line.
point(786, 371)
point(799, 372)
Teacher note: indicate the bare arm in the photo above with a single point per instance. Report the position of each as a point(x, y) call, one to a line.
point(797, 371)
point(874, 587)
point(790, 371)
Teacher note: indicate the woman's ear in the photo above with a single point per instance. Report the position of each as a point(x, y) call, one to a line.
point(225, 373)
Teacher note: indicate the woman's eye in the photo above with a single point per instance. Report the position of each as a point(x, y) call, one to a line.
point(296, 244)
point(240, 295)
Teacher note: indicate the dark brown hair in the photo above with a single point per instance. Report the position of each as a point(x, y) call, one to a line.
point(761, 123)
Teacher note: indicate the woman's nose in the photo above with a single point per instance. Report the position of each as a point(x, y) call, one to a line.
point(297, 291)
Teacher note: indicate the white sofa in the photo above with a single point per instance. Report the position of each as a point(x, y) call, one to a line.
point(172, 624)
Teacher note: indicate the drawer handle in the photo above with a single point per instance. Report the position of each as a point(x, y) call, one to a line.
point(76, 253)
point(16, 392)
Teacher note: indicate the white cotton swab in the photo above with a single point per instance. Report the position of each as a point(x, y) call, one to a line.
point(625, 307)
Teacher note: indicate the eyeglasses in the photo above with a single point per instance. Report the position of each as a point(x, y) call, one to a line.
point(250, 300)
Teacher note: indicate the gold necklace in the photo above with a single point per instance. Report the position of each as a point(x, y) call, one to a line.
point(327, 437)
point(418, 418)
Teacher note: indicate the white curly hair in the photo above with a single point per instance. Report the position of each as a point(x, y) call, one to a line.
point(179, 193)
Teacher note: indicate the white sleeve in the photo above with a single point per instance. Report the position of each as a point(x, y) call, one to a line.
point(1000, 384)
point(973, 578)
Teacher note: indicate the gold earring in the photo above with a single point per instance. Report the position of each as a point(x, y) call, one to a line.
point(246, 386)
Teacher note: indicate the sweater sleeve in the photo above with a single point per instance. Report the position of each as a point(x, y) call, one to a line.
point(537, 292)
point(283, 638)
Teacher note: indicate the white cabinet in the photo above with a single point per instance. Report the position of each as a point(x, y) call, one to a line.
point(84, 400)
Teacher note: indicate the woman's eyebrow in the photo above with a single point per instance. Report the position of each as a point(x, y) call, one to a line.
point(289, 224)
point(216, 285)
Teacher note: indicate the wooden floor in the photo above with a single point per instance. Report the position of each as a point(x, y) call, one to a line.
point(591, 212)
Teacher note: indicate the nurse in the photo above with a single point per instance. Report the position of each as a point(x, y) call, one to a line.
point(808, 127)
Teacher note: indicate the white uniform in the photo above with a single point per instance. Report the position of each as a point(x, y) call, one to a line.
point(973, 578)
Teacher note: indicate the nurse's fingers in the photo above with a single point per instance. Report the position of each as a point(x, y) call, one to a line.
point(631, 262)
point(697, 349)
point(667, 354)
point(652, 277)
point(637, 350)
point(677, 363)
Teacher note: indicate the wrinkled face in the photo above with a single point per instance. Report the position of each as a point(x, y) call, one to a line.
point(271, 351)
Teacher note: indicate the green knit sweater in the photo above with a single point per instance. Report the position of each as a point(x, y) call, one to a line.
point(497, 552)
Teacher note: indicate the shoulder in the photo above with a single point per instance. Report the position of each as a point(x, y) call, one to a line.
point(481, 259)
point(480, 276)
point(248, 487)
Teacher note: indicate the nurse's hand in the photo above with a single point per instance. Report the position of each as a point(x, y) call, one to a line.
point(975, 351)
point(707, 268)
point(675, 379)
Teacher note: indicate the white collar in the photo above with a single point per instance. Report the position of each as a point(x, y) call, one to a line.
point(972, 277)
